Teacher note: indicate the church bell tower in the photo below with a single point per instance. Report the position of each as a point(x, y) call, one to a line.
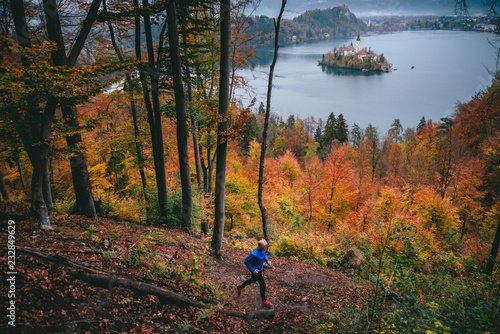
point(358, 44)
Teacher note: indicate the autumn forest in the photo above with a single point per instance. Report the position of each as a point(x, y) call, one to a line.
point(121, 140)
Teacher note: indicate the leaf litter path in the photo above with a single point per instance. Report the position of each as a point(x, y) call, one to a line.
point(50, 300)
point(292, 286)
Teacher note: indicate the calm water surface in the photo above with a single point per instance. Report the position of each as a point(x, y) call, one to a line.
point(449, 67)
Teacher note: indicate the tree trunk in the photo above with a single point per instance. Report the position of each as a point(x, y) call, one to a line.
point(196, 146)
point(78, 161)
point(211, 162)
point(38, 205)
point(79, 171)
point(462, 230)
point(129, 88)
point(38, 157)
point(20, 170)
point(194, 122)
point(137, 140)
point(19, 18)
point(494, 251)
point(47, 188)
point(208, 170)
point(331, 199)
point(153, 110)
point(36, 145)
point(204, 169)
point(266, 122)
point(159, 154)
point(220, 169)
point(208, 173)
point(180, 107)
point(205, 224)
point(3, 189)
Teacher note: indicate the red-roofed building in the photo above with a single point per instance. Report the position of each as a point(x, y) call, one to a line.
point(349, 51)
point(361, 54)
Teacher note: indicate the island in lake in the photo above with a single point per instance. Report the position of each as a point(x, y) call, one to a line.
point(356, 58)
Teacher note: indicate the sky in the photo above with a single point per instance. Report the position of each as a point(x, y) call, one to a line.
point(364, 8)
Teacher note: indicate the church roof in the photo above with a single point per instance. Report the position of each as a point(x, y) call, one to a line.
point(349, 48)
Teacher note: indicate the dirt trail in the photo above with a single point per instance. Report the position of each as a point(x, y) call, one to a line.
point(291, 285)
point(50, 300)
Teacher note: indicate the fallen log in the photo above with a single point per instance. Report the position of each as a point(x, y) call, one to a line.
point(168, 296)
point(108, 281)
point(105, 280)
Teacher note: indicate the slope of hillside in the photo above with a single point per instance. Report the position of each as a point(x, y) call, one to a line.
point(55, 290)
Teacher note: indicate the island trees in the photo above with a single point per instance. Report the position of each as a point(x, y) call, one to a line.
point(365, 60)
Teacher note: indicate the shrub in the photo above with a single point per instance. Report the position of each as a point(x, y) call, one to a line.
point(174, 208)
point(291, 247)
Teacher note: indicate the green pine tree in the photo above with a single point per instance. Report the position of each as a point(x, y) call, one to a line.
point(356, 135)
point(341, 129)
point(330, 132)
point(421, 124)
point(396, 130)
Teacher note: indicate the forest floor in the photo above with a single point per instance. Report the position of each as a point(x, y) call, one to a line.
point(49, 298)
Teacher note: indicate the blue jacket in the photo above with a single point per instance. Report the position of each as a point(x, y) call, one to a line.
point(256, 260)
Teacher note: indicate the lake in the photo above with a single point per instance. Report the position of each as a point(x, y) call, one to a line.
point(449, 67)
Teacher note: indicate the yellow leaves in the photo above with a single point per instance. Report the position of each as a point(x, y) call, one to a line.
point(27, 87)
point(289, 166)
point(97, 177)
point(386, 203)
point(432, 305)
point(439, 325)
point(490, 151)
point(492, 217)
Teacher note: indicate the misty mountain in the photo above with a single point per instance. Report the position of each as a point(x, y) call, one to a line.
point(370, 7)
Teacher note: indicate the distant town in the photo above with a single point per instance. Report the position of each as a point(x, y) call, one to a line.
point(464, 23)
point(395, 23)
point(339, 21)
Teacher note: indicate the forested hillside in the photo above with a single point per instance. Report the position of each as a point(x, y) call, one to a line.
point(130, 175)
point(310, 26)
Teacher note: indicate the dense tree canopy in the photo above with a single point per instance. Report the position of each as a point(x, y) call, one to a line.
point(156, 116)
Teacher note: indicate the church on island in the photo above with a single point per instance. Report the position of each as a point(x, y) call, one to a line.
point(357, 58)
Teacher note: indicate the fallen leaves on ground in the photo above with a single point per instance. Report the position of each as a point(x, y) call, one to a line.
point(49, 300)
